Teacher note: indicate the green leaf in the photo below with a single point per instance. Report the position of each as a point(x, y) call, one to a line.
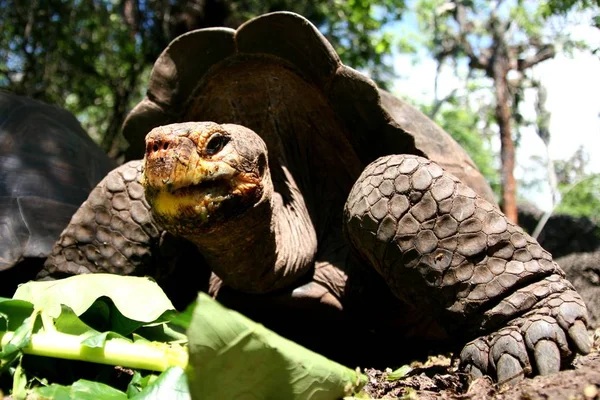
point(54, 391)
point(184, 318)
point(139, 383)
point(138, 299)
point(20, 339)
point(84, 389)
point(70, 323)
point(233, 357)
point(100, 339)
point(162, 333)
point(103, 315)
point(80, 390)
point(14, 312)
point(171, 384)
point(19, 382)
point(400, 373)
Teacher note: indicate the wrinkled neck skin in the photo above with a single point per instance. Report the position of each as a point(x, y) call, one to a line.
point(268, 247)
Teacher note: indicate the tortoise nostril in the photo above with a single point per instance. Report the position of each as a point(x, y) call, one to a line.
point(155, 147)
point(165, 145)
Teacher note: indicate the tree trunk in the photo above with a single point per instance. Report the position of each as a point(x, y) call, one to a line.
point(507, 146)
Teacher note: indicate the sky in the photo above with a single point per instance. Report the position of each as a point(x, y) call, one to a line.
point(573, 99)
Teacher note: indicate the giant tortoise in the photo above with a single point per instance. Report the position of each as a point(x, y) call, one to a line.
point(49, 166)
point(325, 208)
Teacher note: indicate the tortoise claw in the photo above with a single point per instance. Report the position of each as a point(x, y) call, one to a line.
point(473, 371)
point(547, 357)
point(474, 357)
point(509, 370)
point(535, 338)
point(579, 335)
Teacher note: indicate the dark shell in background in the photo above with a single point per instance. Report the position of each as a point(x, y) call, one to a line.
point(49, 166)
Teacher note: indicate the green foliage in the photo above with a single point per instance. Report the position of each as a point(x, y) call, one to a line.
point(552, 7)
point(94, 57)
point(581, 199)
point(50, 296)
point(76, 54)
point(272, 367)
point(82, 389)
point(465, 126)
point(354, 27)
point(47, 331)
point(580, 191)
point(494, 45)
point(563, 8)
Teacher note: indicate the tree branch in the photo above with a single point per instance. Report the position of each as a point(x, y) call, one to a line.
point(544, 53)
point(439, 102)
point(475, 61)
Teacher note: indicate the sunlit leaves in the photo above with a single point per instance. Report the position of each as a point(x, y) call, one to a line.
point(93, 57)
point(232, 357)
point(582, 198)
point(466, 127)
point(54, 49)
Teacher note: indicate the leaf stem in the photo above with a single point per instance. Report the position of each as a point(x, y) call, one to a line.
point(153, 356)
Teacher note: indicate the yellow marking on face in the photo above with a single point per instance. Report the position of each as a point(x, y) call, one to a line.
point(168, 204)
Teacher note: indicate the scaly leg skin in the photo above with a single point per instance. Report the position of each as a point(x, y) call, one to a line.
point(113, 230)
point(446, 251)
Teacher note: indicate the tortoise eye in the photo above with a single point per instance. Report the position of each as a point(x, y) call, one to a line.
point(216, 143)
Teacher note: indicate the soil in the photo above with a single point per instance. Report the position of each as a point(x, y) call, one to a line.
point(438, 378)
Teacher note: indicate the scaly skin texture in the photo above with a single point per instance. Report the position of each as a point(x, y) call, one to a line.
point(223, 202)
point(112, 231)
point(442, 248)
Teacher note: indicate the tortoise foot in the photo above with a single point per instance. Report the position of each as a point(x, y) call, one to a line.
point(452, 255)
point(539, 342)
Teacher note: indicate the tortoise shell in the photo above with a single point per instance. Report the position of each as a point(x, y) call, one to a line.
point(49, 166)
point(277, 75)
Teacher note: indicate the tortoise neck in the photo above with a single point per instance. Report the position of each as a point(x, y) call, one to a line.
point(268, 247)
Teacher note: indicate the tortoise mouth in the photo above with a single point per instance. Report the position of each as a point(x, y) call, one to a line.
point(216, 190)
point(207, 200)
point(201, 199)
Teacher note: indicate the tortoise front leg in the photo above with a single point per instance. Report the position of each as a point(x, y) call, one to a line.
point(113, 232)
point(451, 254)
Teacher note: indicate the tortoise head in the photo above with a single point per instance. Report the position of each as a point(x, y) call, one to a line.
point(198, 174)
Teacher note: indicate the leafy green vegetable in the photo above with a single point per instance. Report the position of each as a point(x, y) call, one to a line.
point(139, 299)
point(171, 384)
point(19, 339)
point(139, 383)
point(14, 313)
point(232, 357)
point(19, 382)
point(80, 390)
point(76, 319)
point(400, 373)
point(118, 351)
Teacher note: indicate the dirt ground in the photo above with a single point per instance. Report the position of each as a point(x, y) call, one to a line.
point(439, 379)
